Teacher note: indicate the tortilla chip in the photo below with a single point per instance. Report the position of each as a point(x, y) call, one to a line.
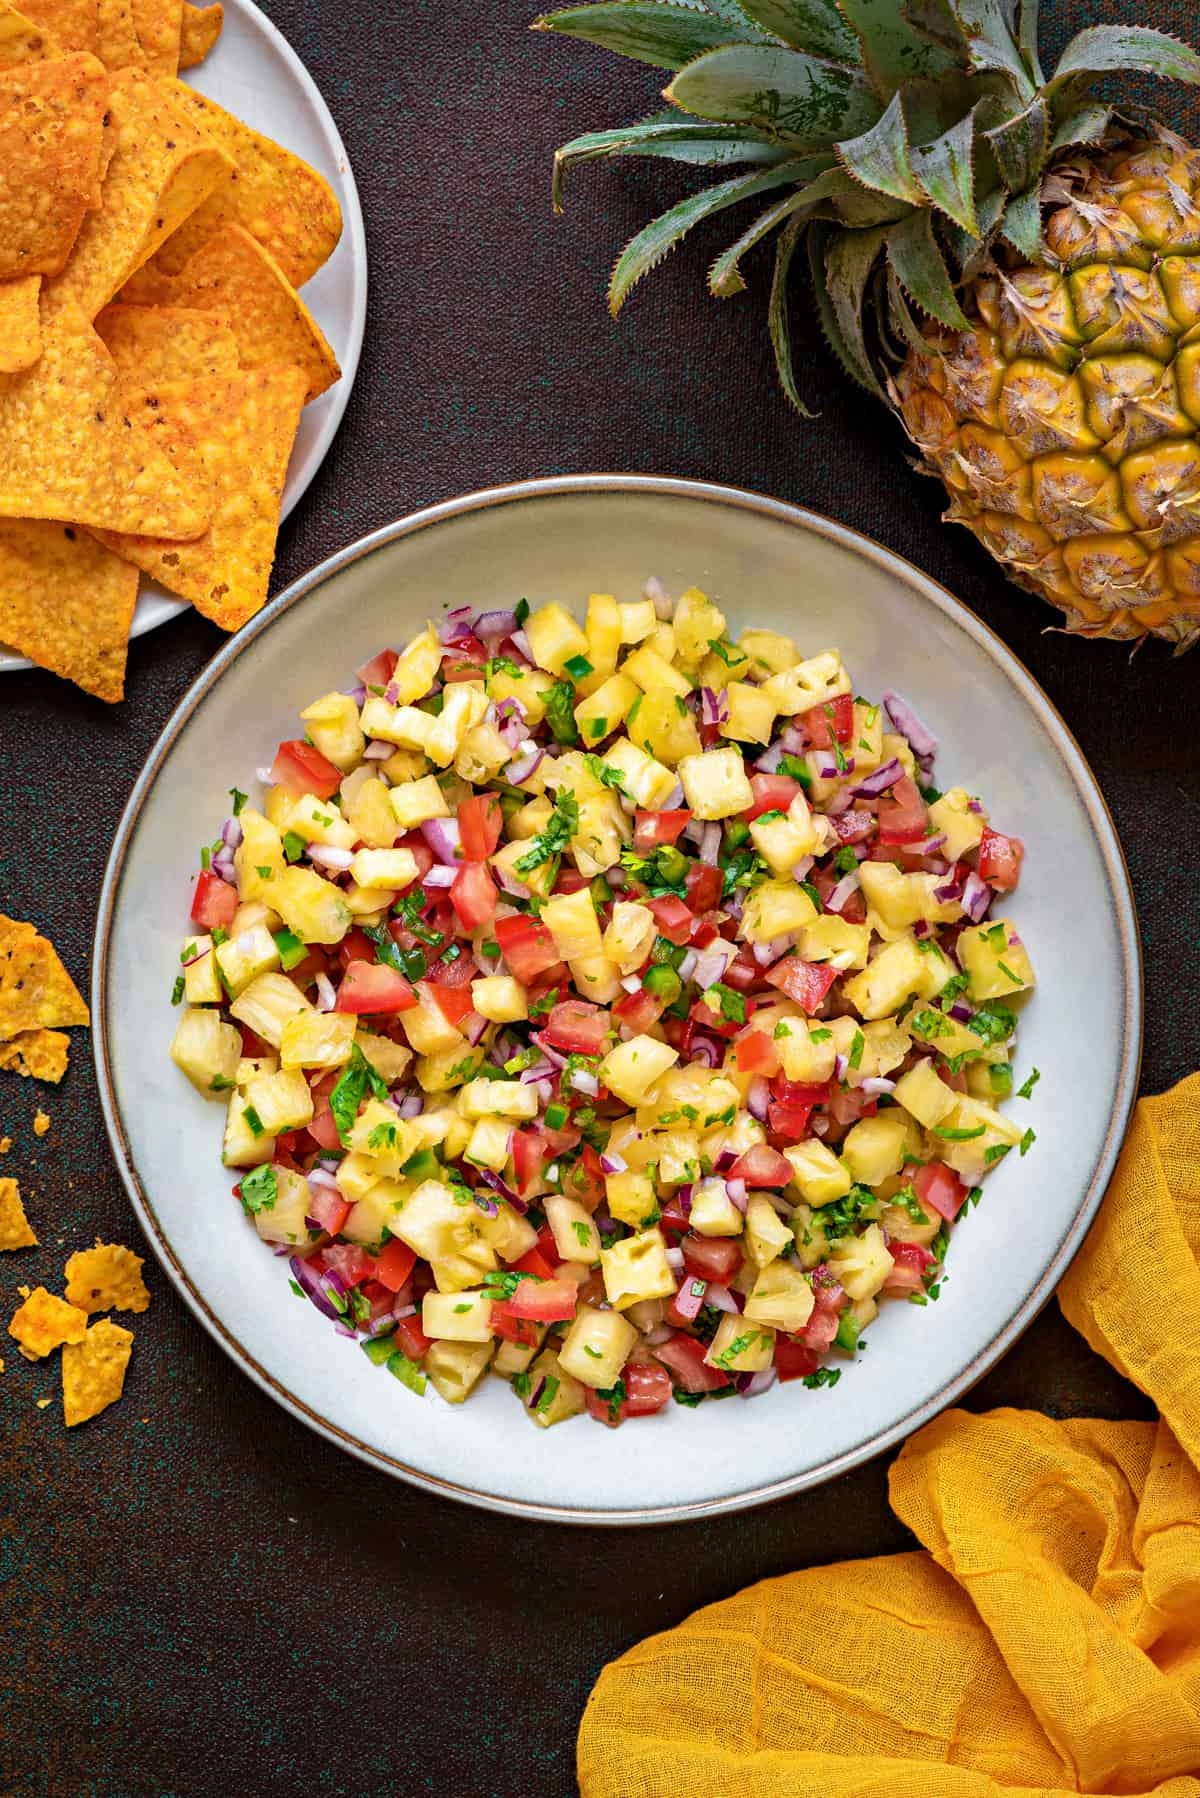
point(277, 198)
point(106, 1278)
point(42, 1053)
point(119, 46)
point(150, 344)
point(51, 124)
point(233, 275)
point(22, 41)
point(67, 603)
point(157, 23)
point(36, 992)
point(93, 1371)
point(67, 451)
point(232, 438)
point(71, 23)
point(43, 1323)
point(15, 1230)
point(162, 167)
point(20, 324)
point(199, 30)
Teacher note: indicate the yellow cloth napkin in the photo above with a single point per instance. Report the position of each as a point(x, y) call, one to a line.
point(1047, 1641)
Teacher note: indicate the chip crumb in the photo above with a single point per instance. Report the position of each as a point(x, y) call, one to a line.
point(41, 1403)
point(93, 1371)
point(43, 1323)
point(106, 1278)
point(5, 1144)
point(41, 1123)
point(16, 1232)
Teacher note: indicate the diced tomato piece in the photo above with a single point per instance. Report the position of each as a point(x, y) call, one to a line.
point(755, 1053)
point(772, 793)
point(762, 1166)
point(534, 1262)
point(853, 826)
point(743, 973)
point(711, 1257)
point(704, 933)
point(299, 769)
point(373, 987)
point(252, 1045)
point(356, 945)
point(521, 1330)
point(794, 1360)
point(350, 1262)
point(411, 1338)
point(703, 887)
point(547, 1248)
point(939, 1189)
point(655, 829)
point(473, 895)
point(847, 1107)
point(460, 970)
point(639, 1011)
point(836, 716)
point(577, 1028)
point(800, 1092)
point(647, 1389)
point(807, 982)
point(454, 1002)
point(214, 901)
point(526, 945)
point(684, 1357)
point(1000, 859)
point(908, 1273)
point(903, 814)
point(416, 845)
point(956, 1082)
point(464, 660)
point(706, 1019)
point(479, 822)
point(687, 1304)
point(528, 1150)
point(822, 1326)
point(394, 1263)
point(673, 917)
point(585, 1180)
point(379, 670)
point(323, 1130)
point(545, 1301)
point(788, 1122)
point(327, 1208)
point(674, 1219)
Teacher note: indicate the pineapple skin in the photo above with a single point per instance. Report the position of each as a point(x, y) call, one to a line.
point(1066, 425)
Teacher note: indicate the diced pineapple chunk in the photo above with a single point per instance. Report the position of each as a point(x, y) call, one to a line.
point(886, 982)
point(780, 1296)
point(606, 708)
point(457, 1316)
point(334, 729)
point(404, 725)
point(875, 1148)
point(244, 1146)
point(481, 754)
point(450, 1067)
point(267, 1004)
point(783, 839)
point(637, 1268)
point(937, 970)
point(866, 739)
point(514, 1357)
point(432, 1221)
point(767, 1235)
point(818, 1173)
point(464, 707)
point(631, 1068)
point(488, 1144)
point(995, 960)
point(663, 726)
point(357, 1174)
point(575, 1235)
point(631, 1198)
point(768, 650)
point(250, 1066)
point(715, 783)
point(499, 1099)
point(529, 688)
point(600, 835)
point(678, 1153)
point(812, 1244)
point(258, 858)
point(861, 1263)
point(923, 1095)
point(418, 802)
point(201, 982)
point(597, 1346)
point(800, 1056)
point(282, 1101)
point(833, 939)
point(648, 782)
point(554, 1393)
point(312, 908)
point(951, 816)
point(245, 956)
point(388, 1140)
point(751, 713)
point(373, 1212)
point(740, 1346)
point(654, 673)
point(530, 819)
point(284, 1219)
point(499, 998)
point(808, 684)
point(713, 1212)
point(370, 814)
point(571, 920)
point(456, 1368)
point(638, 620)
point(427, 1028)
point(979, 1130)
point(776, 908)
point(394, 869)
point(207, 1051)
point(596, 978)
point(390, 1060)
point(318, 821)
point(696, 622)
point(630, 935)
point(603, 631)
point(929, 1024)
point(554, 638)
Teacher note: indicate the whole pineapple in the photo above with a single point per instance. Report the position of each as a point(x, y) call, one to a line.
point(1015, 266)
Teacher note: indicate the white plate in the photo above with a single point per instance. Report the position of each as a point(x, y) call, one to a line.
point(766, 563)
point(254, 73)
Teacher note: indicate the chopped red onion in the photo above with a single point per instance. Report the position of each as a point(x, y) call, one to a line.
point(549, 1051)
point(358, 694)
point(506, 1192)
point(752, 1385)
point(758, 1097)
point(948, 891)
point(826, 764)
point(883, 777)
point(496, 625)
point(840, 1064)
point(976, 898)
point(539, 1071)
point(737, 1194)
point(838, 803)
point(508, 881)
point(191, 960)
point(705, 1050)
point(408, 1105)
point(973, 805)
point(526, 764)
point(612, 1163)
point(545, 1093)
point(768, 762)
point(845, 888)
point(439, 876)
point(721, 1299)
point(399, 1312)
point(819, 1126)
point(920, 737)
point(687, 966)
point(922, 928)
point(802, 867)
point(632, 983)
point(442, 835)
point(675, 1260)
point(378, 751)
point(531, 1402)
point(320, 1176)
point(654, 590)
point(674, 799)
point(710, 844)
point(222, 864)
point(521, 642)
point(712, 963)
point(326, 997)
point(765, 954)
point(928, 847)
point(794, 740)
point(875, 1084)
point(324, 855)
point(660, 1333)
point(584, 1082)
point(714, 707)
point(473, 1027)
point(616, 878)
point(231, 833)
point(317, 1286)
point(961, 1012)
point(726, 1158)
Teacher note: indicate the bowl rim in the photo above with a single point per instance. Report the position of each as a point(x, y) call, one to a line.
point(1086, 785)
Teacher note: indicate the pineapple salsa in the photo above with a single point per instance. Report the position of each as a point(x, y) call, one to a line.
point(618, 1007)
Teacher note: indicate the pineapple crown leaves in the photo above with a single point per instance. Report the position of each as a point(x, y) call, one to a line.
point(900, 139)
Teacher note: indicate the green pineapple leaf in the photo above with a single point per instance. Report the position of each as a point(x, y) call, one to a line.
point(655, 240)
point(777, 312)
point(937, 22)
point(733, 14)
point(879, 157)
point(1103, 49)
point(921, 269)
point(650, 31)
point(725, 275)
point(850, 257)
point(987, 25)
point(1027, 38)
point(903, 324)
point(1022, 225)
point(1088, 125)
point(945, 169)
point(970, 250)
point(1021, 145)
point(813, 25)
point(695, 141)
point(893, 52)
point(798, 98)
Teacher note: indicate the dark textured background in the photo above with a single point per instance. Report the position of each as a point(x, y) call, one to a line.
point(196, 1594)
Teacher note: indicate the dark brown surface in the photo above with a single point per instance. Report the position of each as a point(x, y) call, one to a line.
point(196, 1594)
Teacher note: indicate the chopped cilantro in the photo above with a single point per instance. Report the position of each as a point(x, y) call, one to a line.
point(383, 1136)
point(819, 1036)
point(560, 712)
point(992, 1021)
point(220, 1084)
point(824, 1376)
point(259, 1190)
point(795, 769)
point(1008, 973)
point(219, 936)
point(614, 1397)
point(858, 1043)
point(952, 1134)
point(1027, 1141)
point(561, 827)
point(1026, 1091)
point(293, 845)
point(520, 1384)
point(351, 1090)
point(239, 800)
point(583, 1232)
point(908, 1201)
point(845, 860)
point(578, 667)
point(548, 1394)
point(608, 777)
point(177, 990)
point(997, 1152)
point(722, 651)
point(732, 1004)
point(521, 612)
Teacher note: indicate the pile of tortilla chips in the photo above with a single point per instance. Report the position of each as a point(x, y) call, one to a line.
point(38, 1001)
point(154, 352)
point(94, 1355)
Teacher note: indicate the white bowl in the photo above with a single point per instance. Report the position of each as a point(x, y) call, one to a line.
point(768, 564)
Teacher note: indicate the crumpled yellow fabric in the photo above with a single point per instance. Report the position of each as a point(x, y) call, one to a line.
point(1047, 1639)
